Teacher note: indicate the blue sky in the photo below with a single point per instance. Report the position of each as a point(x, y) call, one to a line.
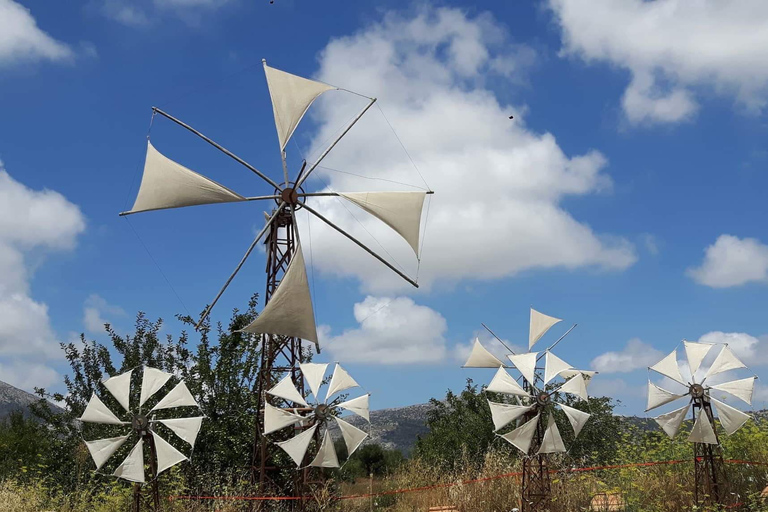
point(627, 195)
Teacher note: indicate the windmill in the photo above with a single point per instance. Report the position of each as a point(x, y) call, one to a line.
point(310, 419)
point(709, 470)
point(288, 315)
point(139, 426)
point(536, 433)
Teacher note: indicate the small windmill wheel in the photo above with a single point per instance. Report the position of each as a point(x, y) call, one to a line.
point(317, 415)
point(140, 425)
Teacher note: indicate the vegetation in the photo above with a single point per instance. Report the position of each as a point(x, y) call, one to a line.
point(45, 466)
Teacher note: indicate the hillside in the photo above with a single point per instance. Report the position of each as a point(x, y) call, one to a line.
point(14, 399)
point(396, 428)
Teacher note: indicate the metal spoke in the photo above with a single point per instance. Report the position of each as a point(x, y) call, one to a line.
point(219, 147)
point(240, 265)
point(360, 244)
point(500, 340)
point(555, 343)
point(329, 148)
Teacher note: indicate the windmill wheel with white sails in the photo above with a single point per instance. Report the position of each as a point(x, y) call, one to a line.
point(288, 317)
point(531, 404)
point(688, 383)
point(142, 431)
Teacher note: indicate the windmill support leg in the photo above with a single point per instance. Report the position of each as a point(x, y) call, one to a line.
point(710, 478)
point(536, 489)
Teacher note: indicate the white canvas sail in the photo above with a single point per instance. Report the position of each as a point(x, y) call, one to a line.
point(553, 366)
point(521, 437)
point(540, 324)
point(167, 184)
point(741, 388)
point(480, 357)
point(399, 210)
point(504, 414)
point(671, 421)
point(186, 428)
point(576, 417)
point(504, 383)
point(658, 396)
point(353, 436)
point(167, 455)
point(696, 352)
point(97, 412)
point(313, 374)
point(132, 468)
point(526, 364)
point(275, 419)
point(730, 418)
point(725, 360)
point(152, 380)
point(179, 396)
point(326, 455)
point(358, 406)
point(102, 449)
point(296, 447)
point(702, 431)
point(289, 312)
point(285, 389)
point(291, 98)
point(552, 442)
point(669, 368)
point(119, 387)
point(576, 385)
point(340, 381)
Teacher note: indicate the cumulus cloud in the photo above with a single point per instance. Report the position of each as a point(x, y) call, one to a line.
point(732, 261)
point(752, 350)
point(128, 14)
point(30, 221)
point(95, 313)
point(499, 184)
point(672, 48)
point(22, 40)
point(28, 375)
point(390, 331)
point(635, 355)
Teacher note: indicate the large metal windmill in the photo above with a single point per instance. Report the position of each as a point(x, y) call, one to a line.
point(288, 316)
point(141, 427)
point(709, 470)
point(536, 433)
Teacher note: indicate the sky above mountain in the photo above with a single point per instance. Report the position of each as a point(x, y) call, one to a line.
point(626, 194)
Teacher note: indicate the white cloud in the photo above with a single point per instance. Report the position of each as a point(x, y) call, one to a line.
point(672, 48)
point(636, 355)
point(499, 184)
point(36, 222)
point(391, 331)
point(28, 375)
point(22, 40)
point(128, 14)
point(753, 351)
point(94, 311)
point(732, 261)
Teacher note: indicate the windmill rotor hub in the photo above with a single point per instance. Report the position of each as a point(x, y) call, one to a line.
point(290, 196)
point(542, 398)
point(322, 412)
point(697, 390)
point(140, 423)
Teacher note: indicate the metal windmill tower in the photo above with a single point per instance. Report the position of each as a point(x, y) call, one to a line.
point(536, 433)
point(287, 319)
point(709, 470)
point(141, 427)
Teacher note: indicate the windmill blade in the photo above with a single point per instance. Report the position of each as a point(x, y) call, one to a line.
point(102, 449)
point(291, 96)
point(179, 396)
point(669, 368)
point(553, 366)
point(540, 324)
point(526, 365)
point(695, 353)
point(401, 211)
point(289, 311)
point(725, 360)
point(480, 357)
point(552, 442)
point(353, 436)
point(314, 373)
point(151, 381)
point(576, 417)
point(275, 419)
point(167, 184)
point(503, 383)
point(97, 412)
point(671, 421)
point(340, 381)
point(358, 406)
point(504, 414)
point(186, 428)
point(587, 374)
point(132, 468)
point(521, 437)
point(119, 387)
point(167, 455)
point(731, 418)
point(658, 396)
point(576, 385)
point(741, 388)
point(326, 454)
point(286, 390)
point(702, 431)
point(296, 447)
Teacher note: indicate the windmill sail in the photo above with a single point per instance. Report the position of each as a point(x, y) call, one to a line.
point(167, 455)
point(669, 368)
point(480, 357)
point(102, 449)
point(671, 421)
point(167, 184)
point(296, 447)
point(120, 388)
point(399, 210)
point(289, 311)
point(291, 98)
point(540, 324)
point(522, 436)
point(504, 383)
point(326, 455)
point(552, 442)
point(731, 418)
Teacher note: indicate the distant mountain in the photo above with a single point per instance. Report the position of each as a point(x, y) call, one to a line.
point(396, 428)
point(14, 399)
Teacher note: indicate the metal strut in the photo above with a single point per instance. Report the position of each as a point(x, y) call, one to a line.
point(710, 479)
